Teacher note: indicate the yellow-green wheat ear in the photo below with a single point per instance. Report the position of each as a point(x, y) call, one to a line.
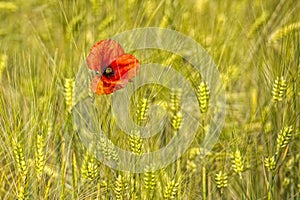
point(136, 143)
point(279, 89)
point(73, 26)
point(175, 107)
point(270, 163)
point(3, 63)
point(108, 149)
point(49, 127)
point(203, 96)
point(142, 111)
point(150, 178)
point(8, 6)
point(68, 87)
point(175, 100)
point(22, 192)
point(171, 190)
point(191, 166)
point(284, 31)
point(166, 20)
point(20, 159)
point(221, 179)
point(176, 121)
point(105, 23)
point(192, 155)
point(194, 152)
point(104, 188)
point(47, 188)
point(258, 23)
point(40, 156)
point(121, 186)
point(237, 163)
point(284, 138)
point(95, 6)
point(89, 168)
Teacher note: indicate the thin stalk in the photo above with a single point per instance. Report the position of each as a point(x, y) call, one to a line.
point(204, 183)
point(204, 191)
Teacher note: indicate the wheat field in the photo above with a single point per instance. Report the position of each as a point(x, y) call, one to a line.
point(256, 48)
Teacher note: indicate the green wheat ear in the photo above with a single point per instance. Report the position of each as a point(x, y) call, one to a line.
point(191, 166)
point(176, 121)
point(221, 179)
point(150, 178)
point(73, 26)
point(142, 111)
point(8, 6)
point(237, 163)
point(284, 31)
point(103, 188)
point(165, 21)
point(258, 23)
point(136, 143)
point(108, 149)
point(279, 89)
point(68, 87)
point(106, 22)
point(22, 192)
point(284, 137)
point(171, 190)
point(150, 7)
point(47, 189)
point(203, 96)
point(191, 162)
point(121, 186)
point(194, 152)
point(89, 168)
point(20, 159)
point(270, 163)
point(40, 155)
point(175, 107)
point(175, 100)
point(3, 63)
point(95, 6)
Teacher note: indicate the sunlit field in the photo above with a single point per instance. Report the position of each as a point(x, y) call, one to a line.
point(255, 46)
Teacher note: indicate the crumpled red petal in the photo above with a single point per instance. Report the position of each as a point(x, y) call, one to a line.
point(103, 53)
point(125, 66)
point(100, 87)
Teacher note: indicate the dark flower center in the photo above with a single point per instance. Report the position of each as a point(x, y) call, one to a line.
point(108, 72)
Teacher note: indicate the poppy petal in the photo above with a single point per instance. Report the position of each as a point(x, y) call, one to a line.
point(119, 84)
point(96, 85)
point(125, 66)
point(103, 53)
point(100, 86)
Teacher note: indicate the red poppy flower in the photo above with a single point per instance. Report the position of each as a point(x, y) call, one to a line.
point(115, 68)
